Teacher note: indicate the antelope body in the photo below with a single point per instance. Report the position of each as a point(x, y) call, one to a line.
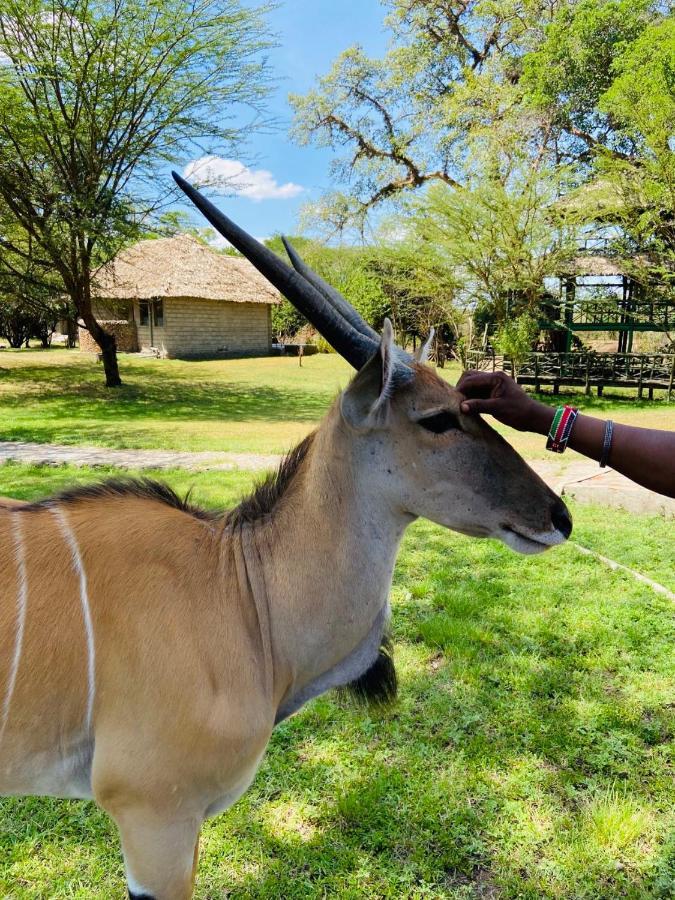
point(149, 649)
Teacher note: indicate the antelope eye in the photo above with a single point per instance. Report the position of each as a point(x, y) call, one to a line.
point(440, 422)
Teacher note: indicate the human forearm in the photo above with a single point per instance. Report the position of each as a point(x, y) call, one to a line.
point(644, 455)
point(641, 454)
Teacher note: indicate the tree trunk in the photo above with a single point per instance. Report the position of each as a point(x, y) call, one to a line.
point(71, 331)
point(106, 342)
point(109, 355)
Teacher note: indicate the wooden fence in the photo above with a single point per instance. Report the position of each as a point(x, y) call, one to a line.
point(644, 371)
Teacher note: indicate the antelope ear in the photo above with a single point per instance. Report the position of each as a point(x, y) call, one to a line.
point(366, 401)
point(422, 354)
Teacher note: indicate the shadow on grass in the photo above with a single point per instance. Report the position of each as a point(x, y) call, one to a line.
point(168, 398)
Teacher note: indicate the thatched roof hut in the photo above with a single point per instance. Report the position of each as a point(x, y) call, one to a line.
point(182, 266)
point(597, 265)
point(185, 299)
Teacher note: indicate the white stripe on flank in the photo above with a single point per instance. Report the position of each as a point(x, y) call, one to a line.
point(21, 605)
point(71, 540)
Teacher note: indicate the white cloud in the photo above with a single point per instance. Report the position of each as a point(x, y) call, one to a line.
point(220, 243)
point(232, 176)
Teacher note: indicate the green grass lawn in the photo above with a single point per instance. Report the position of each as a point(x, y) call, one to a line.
point(528, 756)
point(246, 405)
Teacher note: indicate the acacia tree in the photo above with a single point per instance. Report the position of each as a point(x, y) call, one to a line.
point(96, 97)
point(568, 75)
point(641, 101)
point(500, 240)
point(31, 295)
point(414, 118)
point(606, 75)
point(390, 279)
point(465, 75)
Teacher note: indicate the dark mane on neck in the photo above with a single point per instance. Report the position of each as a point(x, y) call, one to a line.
point(266, 496)
point(257, 506)
point(117, 488)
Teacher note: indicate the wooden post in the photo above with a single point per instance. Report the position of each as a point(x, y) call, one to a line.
point(672, 378)
point(642, 362)
point(570, 298)
point(537, 386)
point(588, 374)
point(651, 378)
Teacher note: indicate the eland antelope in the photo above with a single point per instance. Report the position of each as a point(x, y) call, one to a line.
point(149, 648)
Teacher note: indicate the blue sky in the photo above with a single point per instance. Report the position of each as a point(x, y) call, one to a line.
point(311, 33)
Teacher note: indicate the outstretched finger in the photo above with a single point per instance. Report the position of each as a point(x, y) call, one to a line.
point(478, 384)
point(475, 374)
point(474, 407)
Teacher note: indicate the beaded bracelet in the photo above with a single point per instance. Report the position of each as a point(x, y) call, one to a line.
point(606, 443)
point(561, 428)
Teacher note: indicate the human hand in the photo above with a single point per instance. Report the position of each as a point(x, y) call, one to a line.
point(497, 394)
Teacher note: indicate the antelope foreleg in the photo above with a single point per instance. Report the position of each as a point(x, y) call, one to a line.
point(160, 856)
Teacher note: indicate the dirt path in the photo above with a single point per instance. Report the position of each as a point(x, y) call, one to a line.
point(581, 479)
point(60, 454)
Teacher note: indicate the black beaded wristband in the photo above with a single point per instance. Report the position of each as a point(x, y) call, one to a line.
point(606, 444)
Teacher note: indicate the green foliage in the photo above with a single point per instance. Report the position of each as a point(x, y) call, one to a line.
point(448, 85)
point(514, 338)
point(605, 75)
point(323, 345)
point(641, 97)
point(20, 321)
point(387, 279)
point(286, 320)
point(483, 101)
point(573, 67)
point(641, 100)
point(499, 241)
point(31, 301)
point(177, 222)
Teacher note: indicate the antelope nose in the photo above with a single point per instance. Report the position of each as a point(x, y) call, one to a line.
point(561, 519)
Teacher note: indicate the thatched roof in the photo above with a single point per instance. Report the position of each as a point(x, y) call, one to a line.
point(181, 267)
point(595, 264)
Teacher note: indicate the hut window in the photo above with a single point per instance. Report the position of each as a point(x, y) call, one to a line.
point(144, 311)
point(158, 307)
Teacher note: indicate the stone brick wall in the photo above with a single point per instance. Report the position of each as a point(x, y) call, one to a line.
point(212, 328)
point(125, 336)
point(193, 327)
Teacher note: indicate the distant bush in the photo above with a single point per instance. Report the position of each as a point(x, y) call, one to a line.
point(322, 345)
point(20, 321)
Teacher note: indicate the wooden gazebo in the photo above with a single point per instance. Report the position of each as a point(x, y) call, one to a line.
point(597, 294)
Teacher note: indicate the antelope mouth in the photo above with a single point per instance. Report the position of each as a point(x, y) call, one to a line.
point(529, 543)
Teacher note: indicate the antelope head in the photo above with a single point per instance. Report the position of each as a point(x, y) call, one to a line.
point(415, 450)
